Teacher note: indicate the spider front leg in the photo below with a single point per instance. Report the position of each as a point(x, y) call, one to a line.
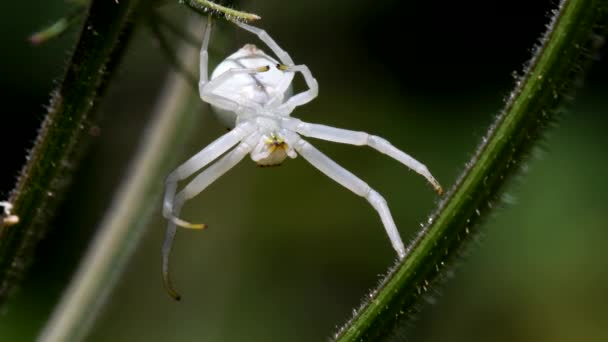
point(348, 180)
point(208, 95)
point(345, 136)
point(284, 57)
point(288, 65)
point(204, 55)
point(196, 186)
point(206, 86)
point(305, 96)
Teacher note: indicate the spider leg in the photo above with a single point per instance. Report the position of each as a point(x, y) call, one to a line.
point(198, 184)
point(204, 55)
point(265, 37)
point(207, 94)
point(345, 178)
point(197, 162)
point(345, 136)
point(288, 65)
point(206, 87)
point(305, 96)
point(207, 91)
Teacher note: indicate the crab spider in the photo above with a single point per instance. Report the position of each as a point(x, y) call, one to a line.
point(250, 91)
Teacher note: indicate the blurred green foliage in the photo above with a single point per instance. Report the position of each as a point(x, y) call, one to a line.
point(289, 253)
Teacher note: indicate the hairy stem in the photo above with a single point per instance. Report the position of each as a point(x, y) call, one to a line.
point(562, 54)
point(177, 110)
point(51, 161)
point(210, 7)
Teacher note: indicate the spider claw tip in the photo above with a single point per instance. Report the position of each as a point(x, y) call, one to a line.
point(198, 226)
point(173, 294)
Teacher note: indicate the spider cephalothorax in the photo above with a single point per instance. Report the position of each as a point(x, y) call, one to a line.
point(251, 92)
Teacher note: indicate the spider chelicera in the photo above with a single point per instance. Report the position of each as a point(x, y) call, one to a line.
point(250, 91)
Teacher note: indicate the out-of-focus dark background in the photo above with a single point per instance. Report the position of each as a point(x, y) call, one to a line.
point(290, 253)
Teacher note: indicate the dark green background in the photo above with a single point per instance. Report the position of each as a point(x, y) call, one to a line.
point(290, 253)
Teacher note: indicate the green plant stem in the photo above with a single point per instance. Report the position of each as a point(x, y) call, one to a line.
point(209, 7)
point(175, 115)
point(563, 52)
point(44, 177)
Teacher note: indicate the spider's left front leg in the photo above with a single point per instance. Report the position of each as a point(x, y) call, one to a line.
point(348, 180)
point(196, 186)
point(206, 86)
point(345, 136)
point(208, 94)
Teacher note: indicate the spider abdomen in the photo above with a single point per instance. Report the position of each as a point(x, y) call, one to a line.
point(264, 89)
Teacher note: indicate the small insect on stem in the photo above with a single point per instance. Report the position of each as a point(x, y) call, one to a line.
point(250, 91)
point(9, 219)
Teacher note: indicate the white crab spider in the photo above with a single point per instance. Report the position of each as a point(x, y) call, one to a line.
point(250, 91)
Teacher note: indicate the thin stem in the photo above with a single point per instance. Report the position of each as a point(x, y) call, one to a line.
point(126, 220)
point(205, 6)
point(43, 179)
point(564, 50)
